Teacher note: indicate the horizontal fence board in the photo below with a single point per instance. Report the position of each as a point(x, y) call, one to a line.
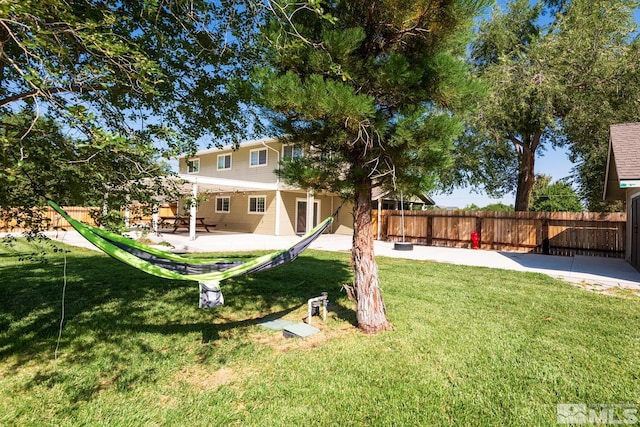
point(555, 233)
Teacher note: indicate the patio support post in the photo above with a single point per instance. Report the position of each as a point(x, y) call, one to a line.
point(154, 219)
point(310, 210)
point(193, 212)
point(127, 217)
point(276, 230)
point(127, 214)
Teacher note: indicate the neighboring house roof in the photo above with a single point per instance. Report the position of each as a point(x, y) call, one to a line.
point(623, 161)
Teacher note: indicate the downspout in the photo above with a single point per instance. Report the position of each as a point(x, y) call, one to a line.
point(276, 230)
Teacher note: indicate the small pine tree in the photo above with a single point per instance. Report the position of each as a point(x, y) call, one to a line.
point(370, 89)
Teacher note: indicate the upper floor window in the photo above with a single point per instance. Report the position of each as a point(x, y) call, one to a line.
point(291, 151)
point(223, 204)
point(257, 204)
point(258, 157)
point(193, 165)
point(224, 161)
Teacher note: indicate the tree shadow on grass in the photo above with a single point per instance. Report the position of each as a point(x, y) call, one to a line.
point(113, 305)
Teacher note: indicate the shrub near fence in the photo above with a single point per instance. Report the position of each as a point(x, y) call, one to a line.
point(554, 233)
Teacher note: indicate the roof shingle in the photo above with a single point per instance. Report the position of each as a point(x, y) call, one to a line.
point(625, 144)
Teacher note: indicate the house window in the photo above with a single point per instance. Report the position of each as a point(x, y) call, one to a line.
point(257, 204)
point(193, 165)
point(291, 151)
point(258, 157)
point(223, 204)
point(224, 161)
point(327, 155)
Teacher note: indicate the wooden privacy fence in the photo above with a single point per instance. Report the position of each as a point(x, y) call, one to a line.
point(54, 221)
point(553, 233)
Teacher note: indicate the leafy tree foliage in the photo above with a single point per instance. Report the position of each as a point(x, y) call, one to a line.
point(492, 207)
point(118, 83)
point(558, 196)
point(55, 166)
point(555, 72)
point(370, 91)
point(604, 89)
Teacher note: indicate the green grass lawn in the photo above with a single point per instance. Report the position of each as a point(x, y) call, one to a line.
point(471, 346)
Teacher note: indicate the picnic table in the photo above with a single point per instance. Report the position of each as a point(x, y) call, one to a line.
point(184, 221)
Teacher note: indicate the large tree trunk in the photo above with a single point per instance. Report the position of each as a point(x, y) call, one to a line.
point(526, 171)
point(371, 311)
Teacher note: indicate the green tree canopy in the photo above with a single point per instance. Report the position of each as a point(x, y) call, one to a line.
point(492, 207)
point(124, 81)
point(553, 70)
point(558, 196)
point(370, 91)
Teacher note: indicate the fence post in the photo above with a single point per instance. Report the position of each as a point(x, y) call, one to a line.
point(429, 230)
point(545, 236)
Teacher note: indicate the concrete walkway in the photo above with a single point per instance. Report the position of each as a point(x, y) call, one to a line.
point(596, 273)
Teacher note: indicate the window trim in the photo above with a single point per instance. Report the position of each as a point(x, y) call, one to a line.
point(194, 161)
point(293, 150)
point(261, 196)
point(266, 157)
point(228, 204)
point(230, 162)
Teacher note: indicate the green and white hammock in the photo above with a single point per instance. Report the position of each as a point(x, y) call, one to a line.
point(207, 272)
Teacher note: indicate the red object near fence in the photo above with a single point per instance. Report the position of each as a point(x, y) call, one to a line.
point(475, 240)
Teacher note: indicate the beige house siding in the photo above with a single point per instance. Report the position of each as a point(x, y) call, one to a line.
point(343, 224)
point(264, 223)
point(241, 181)
point(288, 212)
point(240, 164)
point(238, 218)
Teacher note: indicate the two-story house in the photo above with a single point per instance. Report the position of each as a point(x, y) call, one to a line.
point(239, 190)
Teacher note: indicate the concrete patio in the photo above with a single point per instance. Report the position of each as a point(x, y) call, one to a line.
point(592, 272)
